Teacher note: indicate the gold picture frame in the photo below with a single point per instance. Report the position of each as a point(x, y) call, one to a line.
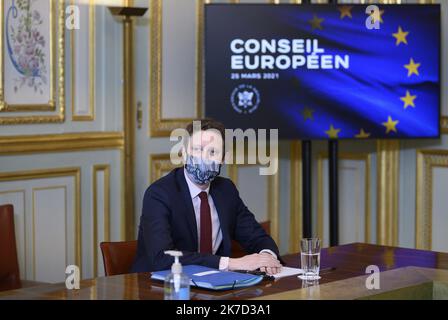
point(56, 72)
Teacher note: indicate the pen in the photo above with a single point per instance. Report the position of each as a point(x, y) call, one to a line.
point(257, 273)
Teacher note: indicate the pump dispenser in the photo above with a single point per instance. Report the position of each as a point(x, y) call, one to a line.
point(177, 284)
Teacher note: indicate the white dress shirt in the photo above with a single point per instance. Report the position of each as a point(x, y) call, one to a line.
point(216, 227)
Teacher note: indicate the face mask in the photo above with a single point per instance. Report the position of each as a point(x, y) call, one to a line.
point(202, 171)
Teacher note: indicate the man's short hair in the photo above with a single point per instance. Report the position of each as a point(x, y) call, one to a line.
point(207, 123)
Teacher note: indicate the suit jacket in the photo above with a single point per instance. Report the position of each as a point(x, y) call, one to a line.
point(168, 222)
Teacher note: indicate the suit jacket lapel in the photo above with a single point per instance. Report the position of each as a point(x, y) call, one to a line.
point(219, 202)
point(191, 217)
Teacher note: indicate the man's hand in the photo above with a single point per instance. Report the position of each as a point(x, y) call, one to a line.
point(263, 261)
point(270, 270)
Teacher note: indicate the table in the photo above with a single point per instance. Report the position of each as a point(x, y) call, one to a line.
point(346, 262)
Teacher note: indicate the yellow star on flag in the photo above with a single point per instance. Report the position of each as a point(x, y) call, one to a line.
point(390, 125)
point(308, 113)
point(412, 67)
point(316, 22)
point(345, 11)
point(362, 134)
point(400, 36)
point(408, 100)
point(332, 132)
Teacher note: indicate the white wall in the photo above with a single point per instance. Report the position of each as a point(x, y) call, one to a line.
point(53, 243)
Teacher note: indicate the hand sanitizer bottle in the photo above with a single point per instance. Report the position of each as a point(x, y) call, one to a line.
point(177, 284)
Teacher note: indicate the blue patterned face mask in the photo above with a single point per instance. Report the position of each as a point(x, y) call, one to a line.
point(202, 171)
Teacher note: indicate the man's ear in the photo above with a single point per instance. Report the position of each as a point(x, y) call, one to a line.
point(184, 154)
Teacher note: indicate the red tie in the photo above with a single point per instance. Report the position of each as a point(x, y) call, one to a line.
point(206, 225)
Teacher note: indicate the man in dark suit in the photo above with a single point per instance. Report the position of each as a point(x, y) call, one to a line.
point(195, 211)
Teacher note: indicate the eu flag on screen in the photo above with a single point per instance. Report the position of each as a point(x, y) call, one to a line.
point(325, 71)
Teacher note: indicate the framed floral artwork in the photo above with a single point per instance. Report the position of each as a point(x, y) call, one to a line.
point(32, 61)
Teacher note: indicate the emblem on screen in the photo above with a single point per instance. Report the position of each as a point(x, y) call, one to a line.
point(245, 99)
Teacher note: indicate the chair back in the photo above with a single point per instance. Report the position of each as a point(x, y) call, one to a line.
point(237, 251)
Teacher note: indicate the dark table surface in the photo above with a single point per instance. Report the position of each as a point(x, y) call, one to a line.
point(337, 263)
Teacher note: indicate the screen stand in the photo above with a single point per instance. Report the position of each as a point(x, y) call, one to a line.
point(306, 188)
point(333, 183)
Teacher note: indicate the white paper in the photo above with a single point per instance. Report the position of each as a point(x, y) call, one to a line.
point(287, 271)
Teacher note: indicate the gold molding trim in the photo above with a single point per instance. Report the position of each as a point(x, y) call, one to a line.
point(129, 127)
point(427, 160)
point(158, 165)
point(106, 227)
point(91, 66)
point(232, 172)
point(388, 153)
point(274, 206)
point(61, 142)
point(55, 173)
point(159, 127)
point(272, 197)
point(366, 157)
point(22, 191)
point(57, 49)
point(296, 203)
